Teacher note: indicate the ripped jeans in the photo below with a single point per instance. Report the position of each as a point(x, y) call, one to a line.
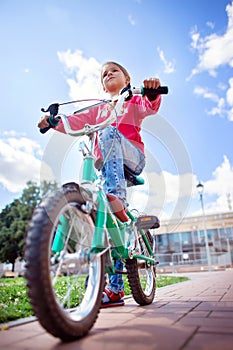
point(117, 150)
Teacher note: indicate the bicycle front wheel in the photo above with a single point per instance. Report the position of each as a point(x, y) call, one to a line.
point(65, 282)
point(141, 276)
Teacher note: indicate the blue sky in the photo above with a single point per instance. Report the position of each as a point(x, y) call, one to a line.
point(52, 50)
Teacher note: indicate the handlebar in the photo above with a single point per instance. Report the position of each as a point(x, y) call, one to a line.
point(150, 93)
point(53, 110)
point(54, 118)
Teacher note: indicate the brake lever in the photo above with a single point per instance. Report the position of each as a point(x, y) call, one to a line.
point(53, 111)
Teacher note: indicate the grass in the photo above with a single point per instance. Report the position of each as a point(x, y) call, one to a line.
point(14, 302)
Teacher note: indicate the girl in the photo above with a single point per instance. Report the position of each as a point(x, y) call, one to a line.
point(117, 145)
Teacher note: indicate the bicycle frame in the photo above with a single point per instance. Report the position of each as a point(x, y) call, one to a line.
point(106, 222)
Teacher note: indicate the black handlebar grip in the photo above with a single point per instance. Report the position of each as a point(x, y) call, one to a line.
point(153, 93)
point(44, 130)
point(52, 122)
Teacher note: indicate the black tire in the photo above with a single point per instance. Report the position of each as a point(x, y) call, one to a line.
point(56, 287)
point(141, 277)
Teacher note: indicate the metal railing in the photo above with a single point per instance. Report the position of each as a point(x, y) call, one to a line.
point(192, 259)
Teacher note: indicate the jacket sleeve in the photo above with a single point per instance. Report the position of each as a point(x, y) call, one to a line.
point(152, 106)
point(145, 107)
point(78, 121)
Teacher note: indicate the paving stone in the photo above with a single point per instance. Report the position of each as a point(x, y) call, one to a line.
point(192, 315)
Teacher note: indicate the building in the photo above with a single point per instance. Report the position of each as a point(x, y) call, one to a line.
point(182, 242)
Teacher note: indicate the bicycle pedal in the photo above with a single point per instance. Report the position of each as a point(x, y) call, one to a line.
point(146, 222)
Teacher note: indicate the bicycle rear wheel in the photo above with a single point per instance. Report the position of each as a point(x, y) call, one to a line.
point(142, 276)
point(64, 300)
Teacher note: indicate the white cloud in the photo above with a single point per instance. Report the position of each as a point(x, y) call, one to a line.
point(229, 95)
point(206, 93)
point(84, 79)
point(131, 20)
point(220, 187)
point(210, 24)
point(12, 133)
point(18, 162)
point(220, 105)
point(230, 114)
point(222, 179)
point(214, 50)
point(163, 194)
point(170, 195)
point(229, 98)
point(223, 105)
point(169, 67)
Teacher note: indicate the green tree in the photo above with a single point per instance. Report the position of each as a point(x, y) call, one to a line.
point(14, 219)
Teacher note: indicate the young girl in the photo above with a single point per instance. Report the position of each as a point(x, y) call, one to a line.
point(119, 144)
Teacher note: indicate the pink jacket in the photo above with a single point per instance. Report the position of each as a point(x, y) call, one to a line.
point(129, 121)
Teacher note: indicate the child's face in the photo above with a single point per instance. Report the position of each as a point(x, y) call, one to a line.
point(113, 78)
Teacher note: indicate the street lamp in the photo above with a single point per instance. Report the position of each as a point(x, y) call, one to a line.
point(200, 188)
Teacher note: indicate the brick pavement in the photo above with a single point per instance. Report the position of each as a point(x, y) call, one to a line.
point(193, 315)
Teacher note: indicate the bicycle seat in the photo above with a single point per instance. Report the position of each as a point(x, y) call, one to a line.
point(131, 178)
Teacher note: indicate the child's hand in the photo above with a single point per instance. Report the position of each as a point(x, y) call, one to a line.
point(43, 123)
point(151, 83)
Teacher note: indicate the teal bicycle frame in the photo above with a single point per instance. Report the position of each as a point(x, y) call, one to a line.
point(105, 221)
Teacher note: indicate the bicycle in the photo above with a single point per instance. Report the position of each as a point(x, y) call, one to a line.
point(74, 237)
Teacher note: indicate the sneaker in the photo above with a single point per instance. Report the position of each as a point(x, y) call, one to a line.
point(111, 299)
point(118, 207)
